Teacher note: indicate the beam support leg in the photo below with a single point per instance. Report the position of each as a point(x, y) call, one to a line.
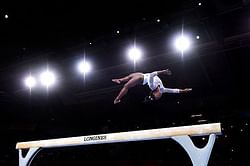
point(199, 156)
point(25, 161)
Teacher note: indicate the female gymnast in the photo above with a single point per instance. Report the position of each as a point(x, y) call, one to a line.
point(151, 79)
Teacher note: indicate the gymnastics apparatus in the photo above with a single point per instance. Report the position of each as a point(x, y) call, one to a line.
point(199, 156)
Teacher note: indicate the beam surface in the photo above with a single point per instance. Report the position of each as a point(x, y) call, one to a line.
point(162, 133)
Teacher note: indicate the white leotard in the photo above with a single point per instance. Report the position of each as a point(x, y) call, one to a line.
point(153, 81)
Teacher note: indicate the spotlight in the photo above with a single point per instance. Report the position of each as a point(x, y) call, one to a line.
point(30, 82)
point(6, 16)
point(134, 54)
point(47, 78)
point(158, 20)
point(84, 67)
point(182, 43)
point(118, 32)
point(199, 3)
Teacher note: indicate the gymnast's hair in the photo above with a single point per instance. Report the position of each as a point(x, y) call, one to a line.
point(149, 98)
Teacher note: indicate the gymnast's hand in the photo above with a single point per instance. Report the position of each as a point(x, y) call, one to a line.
point(167, 72)
point(186, 90)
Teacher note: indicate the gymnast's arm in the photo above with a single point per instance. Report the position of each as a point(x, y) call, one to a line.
point(171, 90)
point(160, 72)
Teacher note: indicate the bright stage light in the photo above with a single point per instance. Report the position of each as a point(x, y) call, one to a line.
point(47, 78)
point(84, 67)
point(182, 43)
point(30, 82)
point(134, 54)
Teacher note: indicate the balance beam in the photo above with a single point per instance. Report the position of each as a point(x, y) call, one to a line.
point(179, 134)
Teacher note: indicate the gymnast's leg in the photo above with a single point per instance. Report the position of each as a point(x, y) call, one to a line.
point(126, 78)
point(121, 80)
point(132, 80)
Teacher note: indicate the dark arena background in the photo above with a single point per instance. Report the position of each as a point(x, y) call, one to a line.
point(56, 35)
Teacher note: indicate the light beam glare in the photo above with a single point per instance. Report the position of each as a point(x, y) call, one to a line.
point(134, 54)
point(47, 78)
point(182, 43)
point(30, 82)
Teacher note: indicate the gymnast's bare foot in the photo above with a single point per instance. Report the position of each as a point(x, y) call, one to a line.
point(116, 81)
point(116, 101)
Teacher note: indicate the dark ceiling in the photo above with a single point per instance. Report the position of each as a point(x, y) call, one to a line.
point(37, 33)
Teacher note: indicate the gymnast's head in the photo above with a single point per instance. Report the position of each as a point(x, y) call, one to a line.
point(153, 95)
point(156, 94)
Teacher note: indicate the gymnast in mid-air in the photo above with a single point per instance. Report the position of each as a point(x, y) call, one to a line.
point(153, 82)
